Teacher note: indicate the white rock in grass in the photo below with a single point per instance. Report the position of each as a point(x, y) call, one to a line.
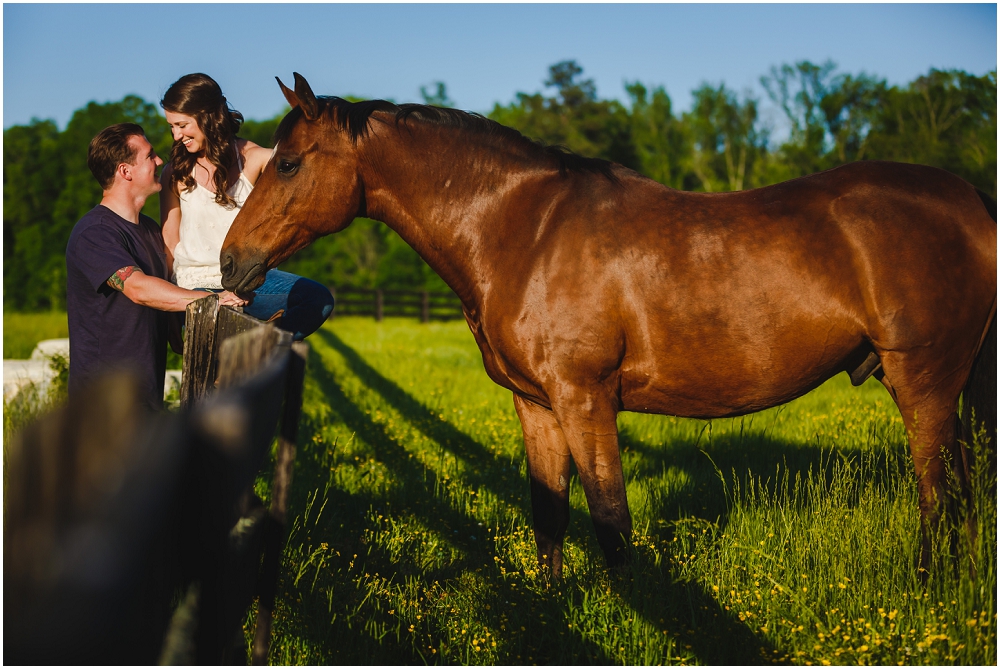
point(18, 374)
point(47, 348)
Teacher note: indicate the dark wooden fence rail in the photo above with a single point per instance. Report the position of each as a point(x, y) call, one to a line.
point(422, 304)
point(111, 511)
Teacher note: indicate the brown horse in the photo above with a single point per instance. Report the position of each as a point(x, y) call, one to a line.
point(591, 289)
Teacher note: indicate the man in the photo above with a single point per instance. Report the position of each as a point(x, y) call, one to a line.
point(117, 291)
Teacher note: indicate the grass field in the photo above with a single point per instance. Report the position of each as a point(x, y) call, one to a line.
point(786, 536)
point(789, 536)
point(22, 331)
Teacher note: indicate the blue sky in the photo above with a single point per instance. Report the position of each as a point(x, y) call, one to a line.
point(59, 57)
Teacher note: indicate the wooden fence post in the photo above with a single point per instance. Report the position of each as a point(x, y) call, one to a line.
point(425, 306)
point(378, 304)
point(198, 369)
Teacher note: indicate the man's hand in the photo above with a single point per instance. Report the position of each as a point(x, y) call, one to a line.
point(228, 299)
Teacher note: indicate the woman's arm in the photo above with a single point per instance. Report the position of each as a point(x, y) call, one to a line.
point(170, 216)
point(254, 160)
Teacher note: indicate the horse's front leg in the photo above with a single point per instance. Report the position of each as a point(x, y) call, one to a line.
point(548, 467)
point(589, 423)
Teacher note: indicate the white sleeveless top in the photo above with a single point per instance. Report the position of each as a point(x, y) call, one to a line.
point(204, 225)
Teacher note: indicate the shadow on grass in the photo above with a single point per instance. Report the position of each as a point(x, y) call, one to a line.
point(412, 493)
point(746, 457)
point(691, 615)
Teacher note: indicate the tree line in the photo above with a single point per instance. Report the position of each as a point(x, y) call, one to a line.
point(946, 118)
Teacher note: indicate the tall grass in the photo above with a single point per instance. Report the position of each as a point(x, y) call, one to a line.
point(31, 401)
point(786, 536)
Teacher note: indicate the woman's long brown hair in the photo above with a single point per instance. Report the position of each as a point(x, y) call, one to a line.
point(200, 97)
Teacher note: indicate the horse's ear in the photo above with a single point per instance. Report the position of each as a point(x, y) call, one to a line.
point(301, 97)
point(307, 100)
point(289, 94)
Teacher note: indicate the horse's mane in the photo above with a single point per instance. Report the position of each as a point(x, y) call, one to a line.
point(353, 118)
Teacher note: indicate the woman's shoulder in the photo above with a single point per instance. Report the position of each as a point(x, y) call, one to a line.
point(249, 149)
point(254, 158)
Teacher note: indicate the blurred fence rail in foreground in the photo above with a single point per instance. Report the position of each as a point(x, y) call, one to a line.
point(134, 537)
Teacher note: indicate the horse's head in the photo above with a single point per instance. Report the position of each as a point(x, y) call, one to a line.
point(310, 188)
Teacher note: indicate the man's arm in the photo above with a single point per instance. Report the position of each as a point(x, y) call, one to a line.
point(150, 291)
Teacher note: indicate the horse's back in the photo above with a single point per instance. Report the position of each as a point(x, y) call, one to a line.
point(757, 296)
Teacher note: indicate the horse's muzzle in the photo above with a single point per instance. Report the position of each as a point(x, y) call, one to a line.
point(237, 281)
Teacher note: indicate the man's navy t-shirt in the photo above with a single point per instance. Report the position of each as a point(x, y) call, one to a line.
point(106, 329)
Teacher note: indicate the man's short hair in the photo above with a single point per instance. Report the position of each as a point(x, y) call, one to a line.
point(109, 149)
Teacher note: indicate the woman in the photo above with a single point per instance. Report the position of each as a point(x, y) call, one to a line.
point(210, 174)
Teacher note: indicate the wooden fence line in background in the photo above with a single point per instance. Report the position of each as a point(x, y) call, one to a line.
point(422, 304)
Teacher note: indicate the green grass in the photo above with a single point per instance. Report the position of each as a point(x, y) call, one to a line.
point(786, 536)
point(21, 332)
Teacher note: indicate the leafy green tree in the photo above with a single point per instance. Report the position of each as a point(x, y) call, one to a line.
point(850, 105)
point(573, 118)
point(945, 118)
point(799, 90)
point(661, 141)
point(832, 116)
point(33, 175)
point(729, 142)
point(439, 98)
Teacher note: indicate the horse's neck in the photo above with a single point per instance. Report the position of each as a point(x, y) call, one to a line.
point(442, 196)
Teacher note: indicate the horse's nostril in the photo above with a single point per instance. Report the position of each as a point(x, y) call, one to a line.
point(227, 264)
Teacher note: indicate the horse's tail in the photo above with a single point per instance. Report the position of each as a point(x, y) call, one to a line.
point(980, 394)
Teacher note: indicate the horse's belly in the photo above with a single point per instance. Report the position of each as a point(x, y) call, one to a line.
point(731, 380)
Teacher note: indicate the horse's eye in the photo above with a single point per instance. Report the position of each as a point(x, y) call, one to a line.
point(287, 167)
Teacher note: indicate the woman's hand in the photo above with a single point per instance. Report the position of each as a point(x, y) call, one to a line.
point(228, 299)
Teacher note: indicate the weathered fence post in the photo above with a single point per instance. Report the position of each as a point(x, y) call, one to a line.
point(425, 306)
point(378, 304)
point(207, 326)
point(199, 348)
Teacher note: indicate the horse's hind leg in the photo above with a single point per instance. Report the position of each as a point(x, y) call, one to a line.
point(928, 407)
point(589, 422)
point(548, 467)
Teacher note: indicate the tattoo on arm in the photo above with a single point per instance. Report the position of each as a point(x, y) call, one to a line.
point(117, 280)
